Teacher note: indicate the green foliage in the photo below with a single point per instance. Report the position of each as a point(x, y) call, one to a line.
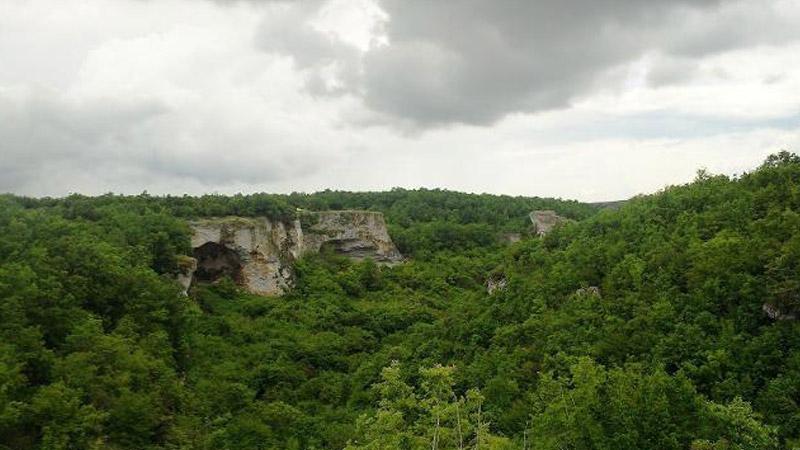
point(642, 327)
point(629, 408)
point(432, 416)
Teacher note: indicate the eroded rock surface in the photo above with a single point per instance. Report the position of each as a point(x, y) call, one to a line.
point(357, 234)
point(255, 252)
point(186, 268)
point(258, 253)
point(544, 221)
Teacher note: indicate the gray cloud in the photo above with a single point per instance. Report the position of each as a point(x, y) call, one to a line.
point(39, 130)
point(476, 61)
point(48, 140)
point(287, 31)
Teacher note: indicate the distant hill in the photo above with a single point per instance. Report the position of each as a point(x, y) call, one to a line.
point(615, 204)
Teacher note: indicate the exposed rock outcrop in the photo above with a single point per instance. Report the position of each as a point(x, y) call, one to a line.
point(357, 234)
point(257, 253)
point(775, 313)
point(495, 284)
point(544, 221)
point(591, 291)
point(186, 268)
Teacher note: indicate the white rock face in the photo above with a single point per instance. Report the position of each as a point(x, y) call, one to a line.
point(544, 221)
point(357, 234)
point(255, 252)
point(187, 266)
point(258, 253)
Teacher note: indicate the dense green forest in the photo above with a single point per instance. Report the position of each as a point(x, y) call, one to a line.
point(639, 327)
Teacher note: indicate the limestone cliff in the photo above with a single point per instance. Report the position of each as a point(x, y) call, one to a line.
point(258, 252)
point(255, 252)
point(544, 221)
point(357, 234)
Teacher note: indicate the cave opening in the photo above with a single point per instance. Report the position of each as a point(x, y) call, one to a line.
point(215, 261)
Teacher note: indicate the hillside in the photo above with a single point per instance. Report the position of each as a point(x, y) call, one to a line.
point(666, 322)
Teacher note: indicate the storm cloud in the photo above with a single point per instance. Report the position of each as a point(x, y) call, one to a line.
point(476, 61)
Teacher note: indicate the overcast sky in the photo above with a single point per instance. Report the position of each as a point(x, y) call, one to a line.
point(585, 99)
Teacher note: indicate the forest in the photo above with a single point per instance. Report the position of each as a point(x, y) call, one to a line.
point(668, 322)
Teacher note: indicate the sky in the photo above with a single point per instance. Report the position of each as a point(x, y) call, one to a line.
point(592, 100)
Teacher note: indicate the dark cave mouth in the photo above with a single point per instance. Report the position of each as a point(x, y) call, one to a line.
point(215, 261)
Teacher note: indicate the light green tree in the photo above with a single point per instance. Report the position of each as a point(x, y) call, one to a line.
point(431, 417)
